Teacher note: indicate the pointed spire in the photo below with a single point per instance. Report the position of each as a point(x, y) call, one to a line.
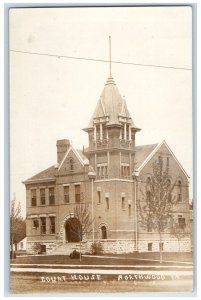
point(110, 55)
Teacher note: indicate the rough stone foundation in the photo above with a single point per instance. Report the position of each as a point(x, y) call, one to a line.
point(117, 246)
point(35, 247)
point(168, 245)
point(113, 246)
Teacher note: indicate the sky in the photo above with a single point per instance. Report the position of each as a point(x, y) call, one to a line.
point(53, 98)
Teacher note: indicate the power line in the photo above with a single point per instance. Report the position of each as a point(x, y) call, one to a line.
point(101, 60)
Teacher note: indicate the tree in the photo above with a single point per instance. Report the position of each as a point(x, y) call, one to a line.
point(178, 231)
point(81, 223)
point(17, 225)
point(155, 207)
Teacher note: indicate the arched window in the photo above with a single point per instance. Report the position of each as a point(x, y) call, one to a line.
point(103, 232)
point(71, 164)
point(179, 191)
point(169, 190)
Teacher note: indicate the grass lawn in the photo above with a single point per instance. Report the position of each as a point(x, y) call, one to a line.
point(124, 259)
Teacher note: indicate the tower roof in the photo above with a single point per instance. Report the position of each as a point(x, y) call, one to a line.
point(111, 106)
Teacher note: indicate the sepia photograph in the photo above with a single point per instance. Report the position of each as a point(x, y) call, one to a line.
point(101, 150)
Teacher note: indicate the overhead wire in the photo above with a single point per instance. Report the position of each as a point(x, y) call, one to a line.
point(101, 60)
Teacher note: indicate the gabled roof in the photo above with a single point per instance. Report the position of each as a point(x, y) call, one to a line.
point(78, 153)
point(142, 152)
point(48, 174)
point(112, 105)
point(146, 152)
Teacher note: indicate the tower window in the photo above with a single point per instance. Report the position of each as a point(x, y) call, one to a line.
point(99, 197)
point(104, 132)
point(102, 170)
point(129, 210)
point(122, 133)
point(127, 132)
point(123, 203)
point(98, 132)
point(125, 170)
point(107, 203)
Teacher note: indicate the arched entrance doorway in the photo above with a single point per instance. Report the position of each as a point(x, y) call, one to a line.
point(103, 232)
point(73, 230)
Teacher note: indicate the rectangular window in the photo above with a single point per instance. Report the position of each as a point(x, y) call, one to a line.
point(66, 194)
point(52, 225)
point(123, 203)
point(181, 221)
point(51, 196)
point(43, 248)
point(150, 246)
point(77, 193)
point(107, 203)
point(35, 223)
point(129, 210)
point(102, 171)
point(33, 197)
point(42, 196)
point(43, 225)
point(125, 170)
point(99, 197)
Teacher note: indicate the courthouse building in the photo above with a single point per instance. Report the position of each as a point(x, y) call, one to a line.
point(107, 177)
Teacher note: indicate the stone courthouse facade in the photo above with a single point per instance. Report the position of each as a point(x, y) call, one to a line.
point(106, 177)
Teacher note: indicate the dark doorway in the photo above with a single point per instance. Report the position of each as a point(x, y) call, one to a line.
point(73, 230)
point(103, 232)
